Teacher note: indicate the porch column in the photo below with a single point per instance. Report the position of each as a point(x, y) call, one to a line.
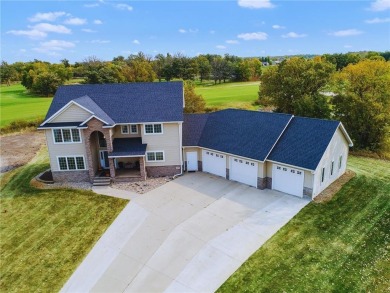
point(112, 167)
point(142, 168)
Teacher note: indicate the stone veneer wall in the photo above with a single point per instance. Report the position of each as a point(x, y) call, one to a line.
point(70, 176)
point(269, 182)
point(160, 171)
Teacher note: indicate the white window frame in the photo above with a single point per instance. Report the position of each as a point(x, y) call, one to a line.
point(154, 133)
point(131, 131)
point(155, 161)
point(322, 174)
point(67, 167)
point(122, 126)
point(62, 135)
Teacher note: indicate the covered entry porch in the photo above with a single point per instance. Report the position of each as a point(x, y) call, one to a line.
point(127, 159)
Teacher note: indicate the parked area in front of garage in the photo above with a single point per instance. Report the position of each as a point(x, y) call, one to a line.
point(257, 174)
point(188, 235)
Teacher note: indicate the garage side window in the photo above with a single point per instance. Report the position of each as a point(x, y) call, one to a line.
point(323, 175)
point(340, 161)
point(331, 168)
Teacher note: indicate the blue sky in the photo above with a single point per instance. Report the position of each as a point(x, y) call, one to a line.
point(53, 30)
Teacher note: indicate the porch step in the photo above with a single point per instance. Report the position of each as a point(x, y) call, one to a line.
point(101, 181)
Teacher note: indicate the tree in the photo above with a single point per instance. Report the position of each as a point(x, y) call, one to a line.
point(204, 68)
point(46, 83)
point(193, 103)
point(242, 71)
point(7, 72)
point(363, 102)
point(158, 66)
point(295, 85)
point(139, 69)
point(217, 69)
point(255, 68)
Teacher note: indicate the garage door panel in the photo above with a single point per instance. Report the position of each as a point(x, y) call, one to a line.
point(288, 180)
point(214, 163)
point(243, 171)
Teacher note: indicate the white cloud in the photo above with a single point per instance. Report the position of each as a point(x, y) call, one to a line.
point(293, 35)
point(136, 42)
point(260, 36)
point(380, 5)
point(54, 45)
point(123, 7)
point(100, 41)
point(52, 28)
point(278, 27)
point(87, 30)
point(182, 31)
point(232, 42)
point(91, 5)
point(377, 20)
point(97, 21)
point(48, 16)
point(255, 4)
point(75, 21)
point(32, 34)
point(346, 33)
point(220, 47)
point(347, 46)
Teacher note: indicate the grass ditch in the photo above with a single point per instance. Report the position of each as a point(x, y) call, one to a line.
point(45, 234)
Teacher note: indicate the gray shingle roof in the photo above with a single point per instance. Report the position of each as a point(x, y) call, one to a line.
point(89, 104)
point(128, 102)
point(192, 128)
point(128, 147)
point(248, 134)
point(304, 142)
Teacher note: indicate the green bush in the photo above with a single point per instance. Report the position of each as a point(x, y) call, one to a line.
point(20, 125)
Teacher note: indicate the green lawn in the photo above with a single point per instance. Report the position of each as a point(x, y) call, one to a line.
point(45, 234)
point(230, 95)
point(339, 246)
point(17, 104)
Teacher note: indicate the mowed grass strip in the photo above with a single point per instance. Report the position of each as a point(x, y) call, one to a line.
point(339, 246)
point(17, 104)
point(45, 234)
point(230, 95)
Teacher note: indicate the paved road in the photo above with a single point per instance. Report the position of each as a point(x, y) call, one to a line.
point(188, 235)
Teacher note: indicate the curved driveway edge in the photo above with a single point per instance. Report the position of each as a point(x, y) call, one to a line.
point(188, 235)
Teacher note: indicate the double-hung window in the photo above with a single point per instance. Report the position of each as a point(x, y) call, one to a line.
point(66, 135)
point(129, 128)
point(71, 163)
point(153, 128)
point(155, 156)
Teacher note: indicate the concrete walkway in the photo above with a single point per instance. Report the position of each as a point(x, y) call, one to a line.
point(188, 235)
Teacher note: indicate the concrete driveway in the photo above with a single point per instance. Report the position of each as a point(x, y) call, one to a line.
point(188, 235)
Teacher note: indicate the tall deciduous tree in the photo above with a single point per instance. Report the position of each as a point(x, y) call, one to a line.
point(363, 102)
point(194, 103)
point(295, 87)
point(204, 68)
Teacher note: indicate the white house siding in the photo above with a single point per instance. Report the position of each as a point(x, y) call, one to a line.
point(337, 146)
point(168, 141)
point(64, 149)
point(72, 114)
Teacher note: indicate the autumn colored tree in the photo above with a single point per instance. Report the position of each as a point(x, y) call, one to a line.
point(194, 103)
point(295, 86)
point(362, 103)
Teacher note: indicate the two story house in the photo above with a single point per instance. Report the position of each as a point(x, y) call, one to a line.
point(130, 131)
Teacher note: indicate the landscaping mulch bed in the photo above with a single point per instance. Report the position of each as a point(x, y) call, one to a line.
point(327, 194)
point(142, 187)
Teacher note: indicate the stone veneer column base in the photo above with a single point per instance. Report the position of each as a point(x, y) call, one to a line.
point(70, 176)
point(161, 171)
point(261, 183)
point(269, 182)
point(227, 174)
point(200, 166)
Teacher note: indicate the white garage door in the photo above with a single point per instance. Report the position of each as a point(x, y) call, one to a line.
point(243, 171)
point(288, 180)
point(214, 163)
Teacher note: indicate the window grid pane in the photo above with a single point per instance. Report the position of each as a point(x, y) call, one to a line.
point(134, 129)
point(80, 163)
point(151, 157)
point(125, 129)
point(71, 163)
point(159, 156)
point(76, 135)
point(157, 128)
point(149, 128)
point(62, 163)
point(66, 135)
point(57, 135)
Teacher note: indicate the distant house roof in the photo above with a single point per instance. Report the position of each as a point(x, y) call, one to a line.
point(243, 133)
point(128, 147)
point(125, 102)
point(281, 138)
point(304, 142)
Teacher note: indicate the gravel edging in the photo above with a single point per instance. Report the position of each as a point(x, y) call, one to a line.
point(142, 187)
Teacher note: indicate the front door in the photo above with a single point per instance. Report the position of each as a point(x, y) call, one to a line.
point(192, 161)
point(104, 159)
